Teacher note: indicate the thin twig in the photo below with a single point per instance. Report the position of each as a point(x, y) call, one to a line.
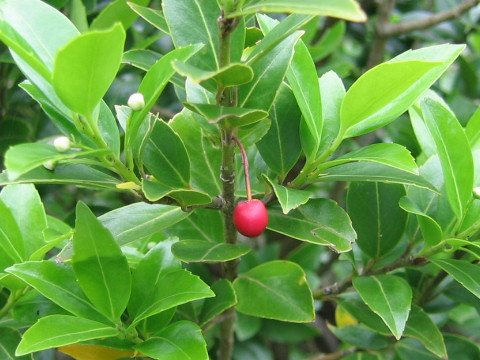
point(245, 167)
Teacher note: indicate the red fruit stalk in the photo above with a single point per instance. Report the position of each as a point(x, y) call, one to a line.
point(250, 217)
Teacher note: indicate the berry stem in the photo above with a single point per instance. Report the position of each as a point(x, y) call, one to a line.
point(245, 167)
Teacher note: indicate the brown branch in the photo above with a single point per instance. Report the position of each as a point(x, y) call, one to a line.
point(389, 30)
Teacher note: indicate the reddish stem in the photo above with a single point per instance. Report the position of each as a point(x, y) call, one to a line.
point(245, 166)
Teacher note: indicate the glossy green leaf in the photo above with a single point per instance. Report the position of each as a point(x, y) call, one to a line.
point(376, 216)
point(329, 42)
point(373, 172)
point(431, 231)
point(27, 209)
point(287, 197)
point(424, 138)
point(157, 262)
point(280, 147)
point(155, 191)
point(203, 151)
point(80, 175)
point(394, 155)
point(154, 17)
point(9, 339)
point(454, 152)
point(464, 272)
point(153, 84)
point(361, 356)
point(461, 348)
point(201, 16)
point(11, 240)
point(172, 289)
point(320, 221)
point(202, 224)
point(182, 340)
point(421, 327)
point(205, 251)
point(95, 253)
point(388, 296)
point(231, 117)
point(381, 95)
point(57, 282)
point(361, 312)
point(37, 43)
point(275, 290)
point(86, 67)
point(58, 330)
point(278, 32)
point(344, 9)
point(413, 349)
point(108, 128)
point(225, 298)
point(269, 72)
point(472, 130)
point(332, 92)
point(117, 11)
point(141, 58)
point(22, 158)
point(361, 337)
point(231, 75)
point(137, 221)
point(166, 158)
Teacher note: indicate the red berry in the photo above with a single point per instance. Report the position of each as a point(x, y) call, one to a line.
point(250, 217)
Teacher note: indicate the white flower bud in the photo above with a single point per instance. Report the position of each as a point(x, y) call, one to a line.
point(50, 164)
point(62, 143)
point(151, 245)
point(136, 102)
point(476, 192)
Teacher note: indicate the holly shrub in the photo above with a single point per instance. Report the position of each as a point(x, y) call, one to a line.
point(117, 234)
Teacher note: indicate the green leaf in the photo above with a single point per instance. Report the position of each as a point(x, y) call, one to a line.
point(394, 155)
point(288, 198)
point(154, 17)
point(277, 33)
point(464, 272)
point(155, 191)
point(9, 339)
point(78, 15)
point(361, 337)
point(152, 86)
point(329, 42)
point(231, 75)
point(202, 224)
point(320, 221)
point(203, 151)
point(156, 263)
point(205, 251)
point(421, 327)
point(459, 347)
point(431, 231)
point(27, 209)
point(275, 290)
point(138, 221)
point(58, 330)
point(424, 138)
point(80, 175)
point(201, 16)
point(230, 117)
point(472, 130)
point(376, 216)
point(141, 58)
point(166, 158)
point(100, 267)
point(11, 240)
point(361, 312)
point(22, 158)
point(280, 147)
point(57, 282)
point(413, 349)
point(373, 172)
point(86, 67)
point(343, 9)
point(37, 43)
point(454, 152)
point(332, 92)
point(361, 356)
point(182, 340)
point(172, 289)
point(117, 11)
point(269, 72)
point(225, 298)
point(388, 296)
point(381, 95)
